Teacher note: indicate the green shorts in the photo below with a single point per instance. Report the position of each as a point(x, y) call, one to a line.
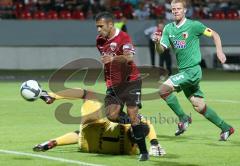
point(188, 80)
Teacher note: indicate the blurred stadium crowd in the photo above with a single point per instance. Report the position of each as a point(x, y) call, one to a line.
point(130, 9)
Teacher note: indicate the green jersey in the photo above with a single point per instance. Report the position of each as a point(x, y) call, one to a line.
point(184, 39)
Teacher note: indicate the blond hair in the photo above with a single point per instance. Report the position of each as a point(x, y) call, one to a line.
point(184, 2)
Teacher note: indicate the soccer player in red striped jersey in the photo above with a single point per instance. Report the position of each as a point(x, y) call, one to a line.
point(121, 75)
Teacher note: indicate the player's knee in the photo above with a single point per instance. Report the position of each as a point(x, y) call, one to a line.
point(196, 108)
point(198, 103)
point(133, 114)
point(164, 91)
point(199, 108)
point(112, 115)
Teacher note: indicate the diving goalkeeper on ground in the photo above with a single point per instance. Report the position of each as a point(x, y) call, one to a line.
point(97, 134)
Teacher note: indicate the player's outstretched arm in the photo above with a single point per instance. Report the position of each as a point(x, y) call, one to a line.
point(217, 40)
point(76, 93)
point(70, 94)
point(50, 97)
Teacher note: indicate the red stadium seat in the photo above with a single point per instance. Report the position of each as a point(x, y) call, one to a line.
point(78, 15)
point(52, 15)
point(218, 15)
point(39, 15)
point(127, 10)
point(26, 15)
point(232, 14)
point(65, 14)
point(199, 14)
point(118, 14)
point(159, 11)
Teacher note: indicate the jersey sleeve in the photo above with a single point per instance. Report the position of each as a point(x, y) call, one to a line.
point(127, 44)
point(199, 28)
point(165, 42)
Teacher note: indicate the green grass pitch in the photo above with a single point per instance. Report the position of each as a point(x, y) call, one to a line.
point(24, 124)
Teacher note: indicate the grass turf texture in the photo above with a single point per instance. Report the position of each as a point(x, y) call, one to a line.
point(24, 124)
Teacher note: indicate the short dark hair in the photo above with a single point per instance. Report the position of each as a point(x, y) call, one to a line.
point(104, 15)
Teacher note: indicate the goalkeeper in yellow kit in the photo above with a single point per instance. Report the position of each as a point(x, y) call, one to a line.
point(97, 134)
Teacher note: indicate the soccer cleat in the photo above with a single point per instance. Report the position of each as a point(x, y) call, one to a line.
point(144, 157)
point(45, 146)
point(224, 135)
point(45, 97)
point(156, 150)
point(182, 126)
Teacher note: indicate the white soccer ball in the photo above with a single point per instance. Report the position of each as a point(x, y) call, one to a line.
point(30, 90)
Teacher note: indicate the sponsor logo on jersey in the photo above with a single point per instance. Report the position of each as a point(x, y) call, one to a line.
point(113, 46)
point(185, 35)
point(180, 44)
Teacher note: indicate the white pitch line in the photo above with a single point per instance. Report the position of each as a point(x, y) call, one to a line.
point(48, 157)
point(224, 101)
point(217, 100)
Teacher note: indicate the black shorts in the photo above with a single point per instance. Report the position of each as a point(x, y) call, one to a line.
point(128, 93)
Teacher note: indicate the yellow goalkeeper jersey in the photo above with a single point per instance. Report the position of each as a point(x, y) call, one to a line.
point(106, 137)
point(99, 135)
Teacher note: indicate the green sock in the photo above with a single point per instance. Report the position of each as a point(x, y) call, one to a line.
point(215, 119)
point(173, 103)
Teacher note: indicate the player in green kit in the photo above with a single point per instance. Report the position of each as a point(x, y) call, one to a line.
point(183, 36)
